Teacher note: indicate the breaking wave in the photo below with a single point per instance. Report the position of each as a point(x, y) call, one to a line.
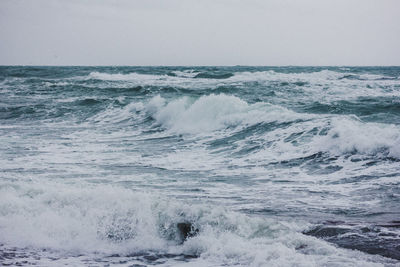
point(199, 166)
point(213, 112)
point(336, 135)
point(106, 219)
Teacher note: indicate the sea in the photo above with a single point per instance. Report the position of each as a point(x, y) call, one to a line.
point(199, 166)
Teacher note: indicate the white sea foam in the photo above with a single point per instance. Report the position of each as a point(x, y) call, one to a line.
point(116, 115)
point(288, 77)
point(237, 77)
point(349, 135)
point(311, 77)
point(53, 84)
point(322, 86)
point(105, 219)
point(68, 99)
point(214, 112)
point(335, 135)
point(125, 77)
point(185, 73)
point(270, 75)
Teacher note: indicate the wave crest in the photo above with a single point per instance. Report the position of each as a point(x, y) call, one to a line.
point(352, 136)
point(213, 112)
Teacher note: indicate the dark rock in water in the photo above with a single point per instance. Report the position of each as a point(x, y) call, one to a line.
point(186, 230)
point(381, 239)
point(327, 231)
point(301, 246)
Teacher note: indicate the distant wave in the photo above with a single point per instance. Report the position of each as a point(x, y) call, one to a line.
point(210, 75)
point(123, 77)
point(312, 84)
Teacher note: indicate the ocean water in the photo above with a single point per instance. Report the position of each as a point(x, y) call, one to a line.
point(200, 166)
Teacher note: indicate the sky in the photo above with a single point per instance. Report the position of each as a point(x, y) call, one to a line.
point(200, 32)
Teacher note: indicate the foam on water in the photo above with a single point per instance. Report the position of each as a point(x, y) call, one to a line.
point(270, 75)
point(334, 134)
point(102, 219)
point(213, 112)
point(171, 166)
point(125, 77)
point(352, 136)
point(307, 85)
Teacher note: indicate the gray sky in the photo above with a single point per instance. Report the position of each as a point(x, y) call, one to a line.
point(200, 32)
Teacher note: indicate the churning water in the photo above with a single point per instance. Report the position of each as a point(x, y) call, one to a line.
point(200, 166)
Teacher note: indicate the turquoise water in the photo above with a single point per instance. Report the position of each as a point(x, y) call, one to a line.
point(266, 166)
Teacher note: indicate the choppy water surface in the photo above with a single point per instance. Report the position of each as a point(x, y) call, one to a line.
point(200, 166)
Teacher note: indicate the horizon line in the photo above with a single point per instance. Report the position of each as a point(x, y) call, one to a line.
point(123, 65)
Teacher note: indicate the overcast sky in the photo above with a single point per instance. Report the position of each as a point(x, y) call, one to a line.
point(200, 32)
